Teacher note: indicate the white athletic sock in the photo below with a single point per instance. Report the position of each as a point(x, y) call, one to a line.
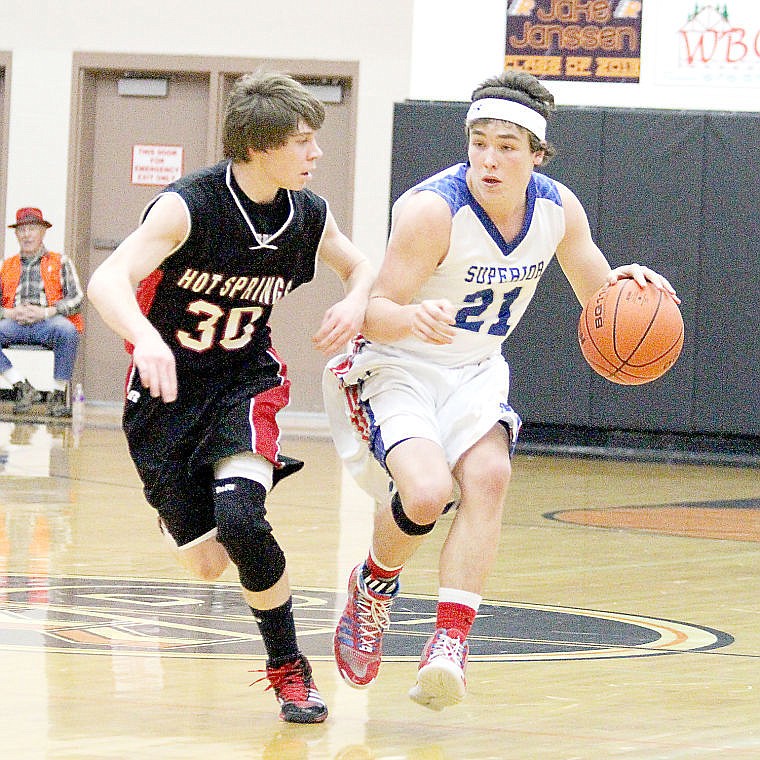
point(13, 376)
point(467, 598)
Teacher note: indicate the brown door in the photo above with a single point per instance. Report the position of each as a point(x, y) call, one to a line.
point(122, 122)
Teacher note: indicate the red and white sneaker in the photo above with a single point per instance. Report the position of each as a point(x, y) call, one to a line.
point(358, 640)
point(440, 678)
point(294, 687)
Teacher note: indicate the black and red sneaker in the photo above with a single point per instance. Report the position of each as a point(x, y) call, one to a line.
point(294, 687)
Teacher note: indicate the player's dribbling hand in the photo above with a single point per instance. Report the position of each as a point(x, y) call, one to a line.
point(155, 363)
point(641, 275)
point(433, 322)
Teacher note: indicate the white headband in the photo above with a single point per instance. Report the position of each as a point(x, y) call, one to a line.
point(508, 110)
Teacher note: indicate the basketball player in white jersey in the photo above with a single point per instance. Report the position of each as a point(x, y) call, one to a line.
point(426, 389)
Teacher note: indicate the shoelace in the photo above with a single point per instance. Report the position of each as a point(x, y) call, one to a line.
point(447, 646)
point(374, 618)
point(289, 680)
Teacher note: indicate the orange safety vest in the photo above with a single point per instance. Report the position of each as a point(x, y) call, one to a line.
point(50, 269)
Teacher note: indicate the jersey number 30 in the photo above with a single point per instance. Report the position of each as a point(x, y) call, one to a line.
point(237, 332)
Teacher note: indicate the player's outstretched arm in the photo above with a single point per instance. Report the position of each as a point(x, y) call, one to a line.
point(583, 263)
point(343, 320)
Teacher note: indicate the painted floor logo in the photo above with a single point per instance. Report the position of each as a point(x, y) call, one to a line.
point(151, 617)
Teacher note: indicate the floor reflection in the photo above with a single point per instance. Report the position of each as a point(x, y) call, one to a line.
point(27, 448)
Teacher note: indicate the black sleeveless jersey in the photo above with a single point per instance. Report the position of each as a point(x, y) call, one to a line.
point(211, 299)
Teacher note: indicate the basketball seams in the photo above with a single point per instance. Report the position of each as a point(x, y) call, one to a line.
point(670, 349)
point(621, 292)
point(589, 335)
point(643, 336)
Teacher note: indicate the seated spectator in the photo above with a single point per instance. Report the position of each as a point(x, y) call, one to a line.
point(41, 302)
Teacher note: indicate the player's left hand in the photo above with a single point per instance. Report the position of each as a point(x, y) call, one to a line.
point(339, 325)
point(641, 275)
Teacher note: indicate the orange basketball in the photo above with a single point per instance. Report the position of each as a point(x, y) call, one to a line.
point(630, 335)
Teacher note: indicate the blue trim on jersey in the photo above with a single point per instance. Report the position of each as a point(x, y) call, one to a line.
point(375, 443)
point(547, 188)
point(452, 187)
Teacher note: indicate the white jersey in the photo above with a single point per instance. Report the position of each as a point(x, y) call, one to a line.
point(489, 281)
point(384, 393)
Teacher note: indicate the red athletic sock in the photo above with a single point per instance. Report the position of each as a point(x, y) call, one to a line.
point(380, 579)
point(381, 572)
point(454, 615)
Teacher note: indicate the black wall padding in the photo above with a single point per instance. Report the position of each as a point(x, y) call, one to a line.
point(649, 212)
point(674, 190)
point(428, 136)
point(727, 357)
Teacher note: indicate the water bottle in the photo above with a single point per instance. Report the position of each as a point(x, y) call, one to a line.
point(77, 408)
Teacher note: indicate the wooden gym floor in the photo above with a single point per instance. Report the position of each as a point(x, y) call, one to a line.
point(622, 620)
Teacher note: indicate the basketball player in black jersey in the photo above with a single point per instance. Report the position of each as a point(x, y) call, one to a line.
point(191, 291)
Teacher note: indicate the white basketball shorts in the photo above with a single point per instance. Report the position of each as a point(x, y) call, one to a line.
point(376, 399)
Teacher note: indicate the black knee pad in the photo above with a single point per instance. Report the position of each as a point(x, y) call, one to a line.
point(404, 523)
point(244, 531)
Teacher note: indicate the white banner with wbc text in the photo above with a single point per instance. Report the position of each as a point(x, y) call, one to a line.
point(715, 44)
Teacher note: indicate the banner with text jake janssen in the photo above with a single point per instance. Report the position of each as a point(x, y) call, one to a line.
point(714, 44)
point(576, 40)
